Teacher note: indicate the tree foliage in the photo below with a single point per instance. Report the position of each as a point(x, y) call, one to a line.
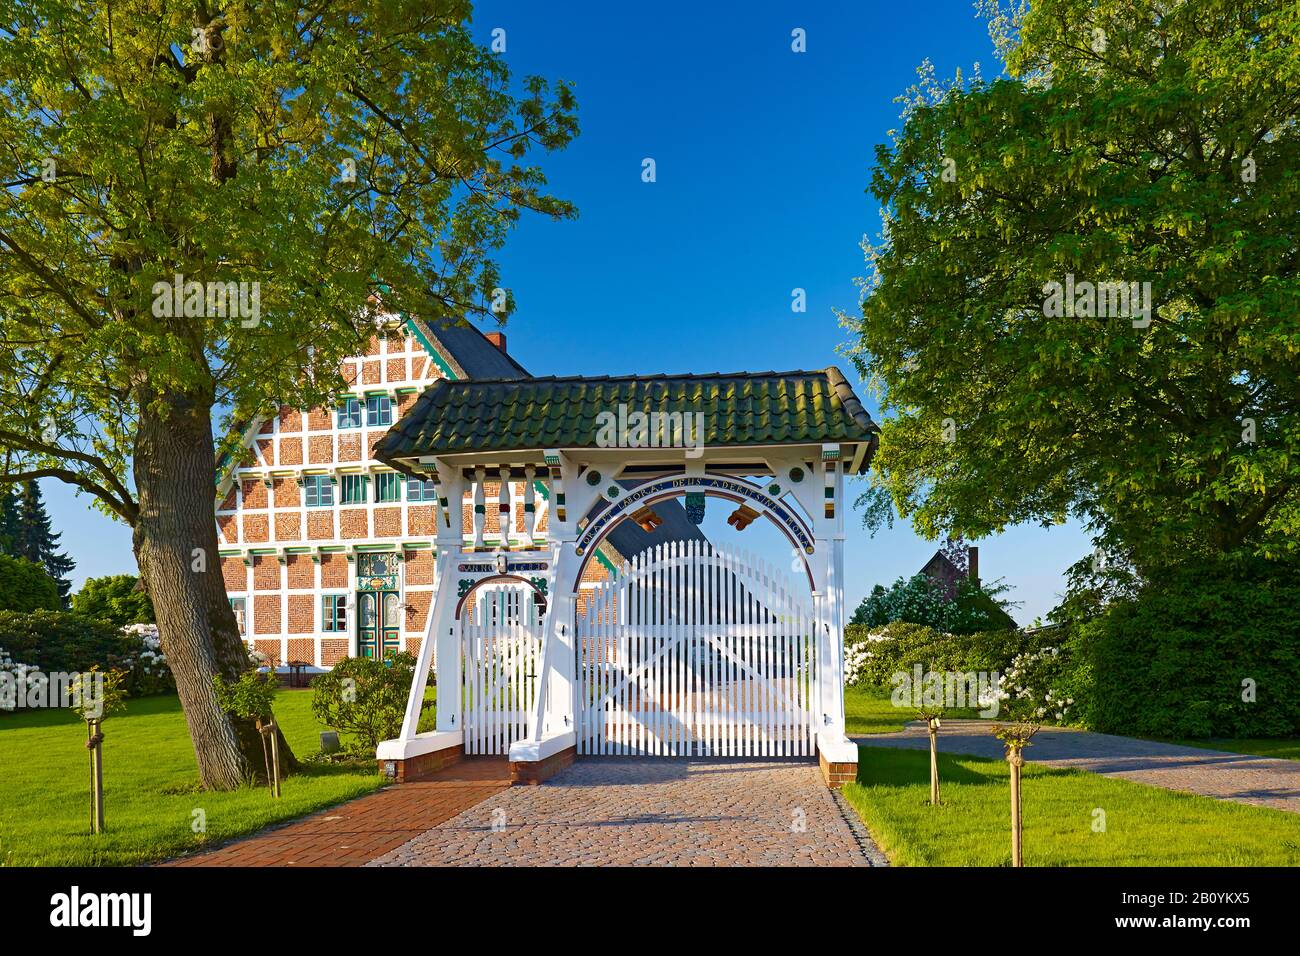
point(25, 586)
point(1130, 142)
point(116, 599)
point(924, 601)
point(322, 162)
point(324, 152)
point(35, 540)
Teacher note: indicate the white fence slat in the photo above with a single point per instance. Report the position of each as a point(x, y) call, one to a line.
point(692, 649)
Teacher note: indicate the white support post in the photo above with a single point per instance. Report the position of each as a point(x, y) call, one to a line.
point(551, 725)
point(838, 755)
point(530, 505)
point(836, 610)
point(440, 632)
point(480, 514)
point(505, 519)
point(441, 644)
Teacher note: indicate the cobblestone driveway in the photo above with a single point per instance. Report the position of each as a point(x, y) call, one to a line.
point(633, 811)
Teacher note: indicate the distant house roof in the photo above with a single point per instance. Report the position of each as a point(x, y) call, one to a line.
point(468, 352)
point(941, 568)
point(510, 414)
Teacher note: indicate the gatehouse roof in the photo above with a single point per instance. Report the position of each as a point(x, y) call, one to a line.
point(737, 410)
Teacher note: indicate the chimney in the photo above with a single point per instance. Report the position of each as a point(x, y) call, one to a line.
point(498, 339)
point(973, 564)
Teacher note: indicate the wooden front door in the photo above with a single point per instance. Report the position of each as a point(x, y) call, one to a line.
point(368, 623)
point(379, 623)
point(379, 615)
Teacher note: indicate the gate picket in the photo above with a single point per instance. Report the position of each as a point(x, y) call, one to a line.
point(501, 635)
point(691, 650)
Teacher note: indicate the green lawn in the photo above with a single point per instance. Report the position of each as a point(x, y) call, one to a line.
point(868, 710)
point(151, 786)
point(1284, 748)
point(1144, 826)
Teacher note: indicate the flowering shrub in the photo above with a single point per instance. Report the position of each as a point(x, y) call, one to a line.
point(858, 646)
point(855, 664)
point(13, 673)
point(150, 673)
point(52, 642)
point(1033, 687)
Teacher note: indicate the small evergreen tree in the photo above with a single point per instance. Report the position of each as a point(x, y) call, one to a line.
point(8, 519)
point(35, 540)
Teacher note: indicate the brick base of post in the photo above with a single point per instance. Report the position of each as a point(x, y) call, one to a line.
point(400, 771)
point(837, 775)
point(533, 772)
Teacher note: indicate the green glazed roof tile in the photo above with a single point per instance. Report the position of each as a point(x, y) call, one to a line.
point(765, 408)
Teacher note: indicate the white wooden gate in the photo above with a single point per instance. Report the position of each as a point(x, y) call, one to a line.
point(697, 651)
point(501, 645)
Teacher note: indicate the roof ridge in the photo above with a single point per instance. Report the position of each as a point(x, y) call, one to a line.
point(653, 377)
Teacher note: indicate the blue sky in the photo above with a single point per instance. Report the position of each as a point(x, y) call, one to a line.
point(763, 157)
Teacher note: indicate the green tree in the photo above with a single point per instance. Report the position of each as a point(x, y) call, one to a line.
point(1131, 142)
point(922, 600)
point(8, 519)
point(25, 586)
point(116, 599)
point(35, 540)
point(308, 158)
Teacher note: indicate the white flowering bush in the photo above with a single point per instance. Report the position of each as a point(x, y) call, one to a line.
point(1033, 687)
point(855, 664)
point(13, 673)
point(150, 673)
point(858, 655)
point(36, 645)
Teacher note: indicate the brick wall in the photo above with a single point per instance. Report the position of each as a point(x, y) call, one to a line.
point(302, 615)
point(333, 571)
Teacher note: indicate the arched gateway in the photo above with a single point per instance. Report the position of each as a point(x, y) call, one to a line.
point(689, 648)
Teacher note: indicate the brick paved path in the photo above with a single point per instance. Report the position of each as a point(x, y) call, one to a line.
point(653, 812)
point(1238, 777)
point(356, 832)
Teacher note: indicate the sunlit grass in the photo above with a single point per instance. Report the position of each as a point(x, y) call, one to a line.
point(1144, 826)
point(152, 799)
point(868, 710)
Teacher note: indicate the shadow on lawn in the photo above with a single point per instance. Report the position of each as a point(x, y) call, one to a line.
point(901, 768)
point(154, 705)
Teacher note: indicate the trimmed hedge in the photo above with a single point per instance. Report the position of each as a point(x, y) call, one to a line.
point(1172, 662)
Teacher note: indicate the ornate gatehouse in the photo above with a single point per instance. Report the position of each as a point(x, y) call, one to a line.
point(689, 649)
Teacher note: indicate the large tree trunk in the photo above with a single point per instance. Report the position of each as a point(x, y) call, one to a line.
point(175, 543)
